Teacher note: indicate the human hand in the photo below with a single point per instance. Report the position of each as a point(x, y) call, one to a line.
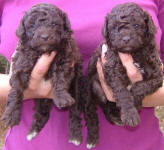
point(127, 61)
point(38, 87)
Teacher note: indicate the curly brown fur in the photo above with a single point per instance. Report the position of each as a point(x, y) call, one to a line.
point(127, 29)
point(75, 126)
point(43, 29)
point(75, 111)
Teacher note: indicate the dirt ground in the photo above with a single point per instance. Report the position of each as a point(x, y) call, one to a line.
point(2, 127)
point(159, 112)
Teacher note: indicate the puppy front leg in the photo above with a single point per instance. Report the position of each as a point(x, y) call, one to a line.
point(115, 76)
point(142, 88)
point(61, 82)
point(124, 99)
point(12, 114)
point(153, 76)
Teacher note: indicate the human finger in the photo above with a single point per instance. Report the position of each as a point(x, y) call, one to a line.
point(40, 69)
point(132, 71)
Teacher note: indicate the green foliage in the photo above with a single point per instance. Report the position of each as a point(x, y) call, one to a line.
point(4, 65)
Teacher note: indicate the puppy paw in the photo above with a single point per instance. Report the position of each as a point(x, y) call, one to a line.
point(63, 100)
point(91, 142)
point(130, 117)
point(75, 142)
point(11, 118)
point(31, 135)
point(89, 146)
point(75, 137)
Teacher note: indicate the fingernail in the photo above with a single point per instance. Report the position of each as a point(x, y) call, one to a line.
point(98, 60)
point(50, 54)
point(53, 53)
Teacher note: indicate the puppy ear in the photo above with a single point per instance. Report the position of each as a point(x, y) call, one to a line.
point(151, 29)
point(105, 27)
point(20, 32)
point(66, 26)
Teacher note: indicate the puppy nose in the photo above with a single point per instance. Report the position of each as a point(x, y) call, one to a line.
point(44, 36)
point(126, 39)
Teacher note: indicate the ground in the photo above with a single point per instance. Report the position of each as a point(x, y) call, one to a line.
point(159, 112)
point(2, 127)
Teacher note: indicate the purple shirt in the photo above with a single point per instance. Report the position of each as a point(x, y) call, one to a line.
point(87, 18)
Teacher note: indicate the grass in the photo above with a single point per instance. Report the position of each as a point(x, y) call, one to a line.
point(159, 112)
point(3, 130)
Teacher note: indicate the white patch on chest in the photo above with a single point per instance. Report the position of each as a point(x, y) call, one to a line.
point(104, 48)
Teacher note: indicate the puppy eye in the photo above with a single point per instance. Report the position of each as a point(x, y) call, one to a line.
point(42, 20)
point(32, 26)
point(137, 26)
point(114, 28)
point(54, 24)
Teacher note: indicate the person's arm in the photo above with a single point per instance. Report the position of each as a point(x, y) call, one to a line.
point(4, 87)
point(38, 87)
point(155, 99)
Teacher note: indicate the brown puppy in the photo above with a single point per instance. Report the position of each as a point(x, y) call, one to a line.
point(43, 29)
point(127, 29)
